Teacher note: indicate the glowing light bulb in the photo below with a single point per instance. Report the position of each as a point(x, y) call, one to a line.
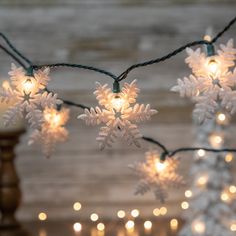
point(207, 38)
point(198, 227)
point(225, 197)
point(202, 180)
point(117, 102)
point(135, 213)
point(216, 140)
point(129, 225)
point(174, 224)
point(42, 216)
point(160, 166)
point(77, 227)
point(94, 217)
point(185, 205)
point(28, 86)
point(121, 214)
point(188, 193)
point(147, 225)
point(100, 227)
point(233, 227)
point(201, 153)
point(232, 189)
point(229, 157)
point(222, 119)
point(156, 212)
point(53, 118)
point(213, 67)
point(77, 206)
point(163, 211)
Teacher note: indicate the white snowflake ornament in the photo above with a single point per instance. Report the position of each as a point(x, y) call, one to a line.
point(118, 113)
point(157, 176)
point(28, 96)
point(52, 130)
point(212, 81)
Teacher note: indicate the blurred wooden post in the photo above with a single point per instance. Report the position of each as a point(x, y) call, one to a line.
point(10, 193)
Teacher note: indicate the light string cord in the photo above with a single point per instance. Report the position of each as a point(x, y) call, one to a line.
point(165, 151)
point(177, 51)
point(124, 74)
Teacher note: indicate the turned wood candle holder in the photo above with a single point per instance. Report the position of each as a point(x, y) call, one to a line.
point(10, 193)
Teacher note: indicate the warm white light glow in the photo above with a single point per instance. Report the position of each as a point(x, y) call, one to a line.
point(77, 227)
point(202, 180)
point(28, 86)
point(232, 189)
point(198, 227)
point(185, 205)
point(100, 227)
point(163, 211)
point(135, 213)
point(174, 224)
point(94, 217)
point(42, 232)
point(77, 206)
point(117, 102)
point(233, 227)
point(225, 197)
point(216, 140)
point(213, 67)
point(201, 153)
point(207, 38)
point(160, 166)
point(188, 193)
point(5, 84)
point(129, 225)
point(156, 212)
point(121, 214)
point(53, 117)
point(229, 157)
point(147, 225)
point(42, 216)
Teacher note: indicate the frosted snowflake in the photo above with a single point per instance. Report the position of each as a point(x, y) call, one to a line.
point(157, 176)
point(27, 95)
point(117, 115)
point(212, 81)
point(52, 130)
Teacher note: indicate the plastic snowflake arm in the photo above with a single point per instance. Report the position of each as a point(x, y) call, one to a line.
point(196, 60)
point(189, 87)
point(108, 134)
point(130, 92)
point(138, 113)
point(205, 108)
point(6, 93)
point(42, 76)
point(47, 99)
point(34, 116)
point(52, 130)
point(96, 116)
point(227, 54)
point(104, 95)
point(229, 100)
point(12, 114)
point(130, 133)
point(17, 75)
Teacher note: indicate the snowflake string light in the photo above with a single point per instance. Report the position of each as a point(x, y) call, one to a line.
point(28, 96)
point(212, 81)
point(117, 114)
point(157, 176)
point(52, 130)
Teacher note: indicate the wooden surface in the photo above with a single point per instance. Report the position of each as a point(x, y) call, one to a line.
point(112, 35)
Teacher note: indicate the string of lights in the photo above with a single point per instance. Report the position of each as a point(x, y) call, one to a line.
point(91, 117)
